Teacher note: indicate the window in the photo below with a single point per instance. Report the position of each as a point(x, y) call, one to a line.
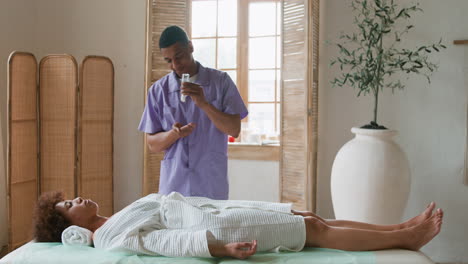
point(300, 19)
point(242, 38)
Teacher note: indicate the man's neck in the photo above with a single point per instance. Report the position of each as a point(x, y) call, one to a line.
point(193, 68)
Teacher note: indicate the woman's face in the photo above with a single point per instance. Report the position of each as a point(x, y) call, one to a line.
point(78, 211)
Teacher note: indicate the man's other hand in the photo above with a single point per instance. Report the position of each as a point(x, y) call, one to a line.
point(183, 131)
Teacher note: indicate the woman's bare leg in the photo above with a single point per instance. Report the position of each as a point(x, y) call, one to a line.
point(319, 234)
point(360, 225)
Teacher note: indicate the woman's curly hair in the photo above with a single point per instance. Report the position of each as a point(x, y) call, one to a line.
point(48, 222)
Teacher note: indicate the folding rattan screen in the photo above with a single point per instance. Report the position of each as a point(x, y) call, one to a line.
point(49, 148)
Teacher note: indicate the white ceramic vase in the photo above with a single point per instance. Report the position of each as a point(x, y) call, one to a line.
point(370, 179)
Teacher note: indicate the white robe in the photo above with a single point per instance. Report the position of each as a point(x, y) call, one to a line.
point(179, 226)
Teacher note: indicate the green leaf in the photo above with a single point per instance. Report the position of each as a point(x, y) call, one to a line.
point(371, 62)
point(400, 13)
point(378, 3)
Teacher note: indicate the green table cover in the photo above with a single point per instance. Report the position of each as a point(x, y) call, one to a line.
point(51, 253)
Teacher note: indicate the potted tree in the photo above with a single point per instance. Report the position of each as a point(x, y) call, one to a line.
point(370, 175)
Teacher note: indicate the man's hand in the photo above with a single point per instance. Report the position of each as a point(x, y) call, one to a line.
point(241, 250)
point(183, 131)
point(229, 124)
point(195, 92)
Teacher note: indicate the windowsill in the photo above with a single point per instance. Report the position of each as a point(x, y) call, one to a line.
point(251, 151)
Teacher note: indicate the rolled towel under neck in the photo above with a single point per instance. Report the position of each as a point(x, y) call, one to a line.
point(75, 235)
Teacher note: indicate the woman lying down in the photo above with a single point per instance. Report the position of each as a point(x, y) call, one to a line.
point(174, 225)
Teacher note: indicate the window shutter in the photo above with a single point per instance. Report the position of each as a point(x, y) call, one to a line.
point(160, 14)
point(299, 100)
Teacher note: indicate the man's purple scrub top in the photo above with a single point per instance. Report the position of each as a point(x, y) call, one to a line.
point(197, 164)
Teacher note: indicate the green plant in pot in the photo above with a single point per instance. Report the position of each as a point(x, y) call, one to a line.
point(369, 57)
point(370, 177)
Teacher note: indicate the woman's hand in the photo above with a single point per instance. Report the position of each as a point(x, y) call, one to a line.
point(240, 250)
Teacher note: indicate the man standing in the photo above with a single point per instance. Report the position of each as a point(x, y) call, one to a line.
point(193, 133)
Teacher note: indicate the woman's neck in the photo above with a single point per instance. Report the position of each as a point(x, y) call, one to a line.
point(97, 222)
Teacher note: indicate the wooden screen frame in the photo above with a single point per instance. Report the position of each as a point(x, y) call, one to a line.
point(53, 180)
point(81, 153)
point(11, 140)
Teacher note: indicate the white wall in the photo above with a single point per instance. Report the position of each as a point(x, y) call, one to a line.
point(253, 180)
point(116, 29)
point(430, 118)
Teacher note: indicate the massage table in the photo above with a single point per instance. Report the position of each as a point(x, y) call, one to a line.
point(51, 253)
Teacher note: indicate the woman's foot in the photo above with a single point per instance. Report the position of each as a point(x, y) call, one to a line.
point(419, 218)
point(421, 234)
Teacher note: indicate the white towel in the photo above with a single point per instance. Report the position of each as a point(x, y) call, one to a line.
point(75, 235)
